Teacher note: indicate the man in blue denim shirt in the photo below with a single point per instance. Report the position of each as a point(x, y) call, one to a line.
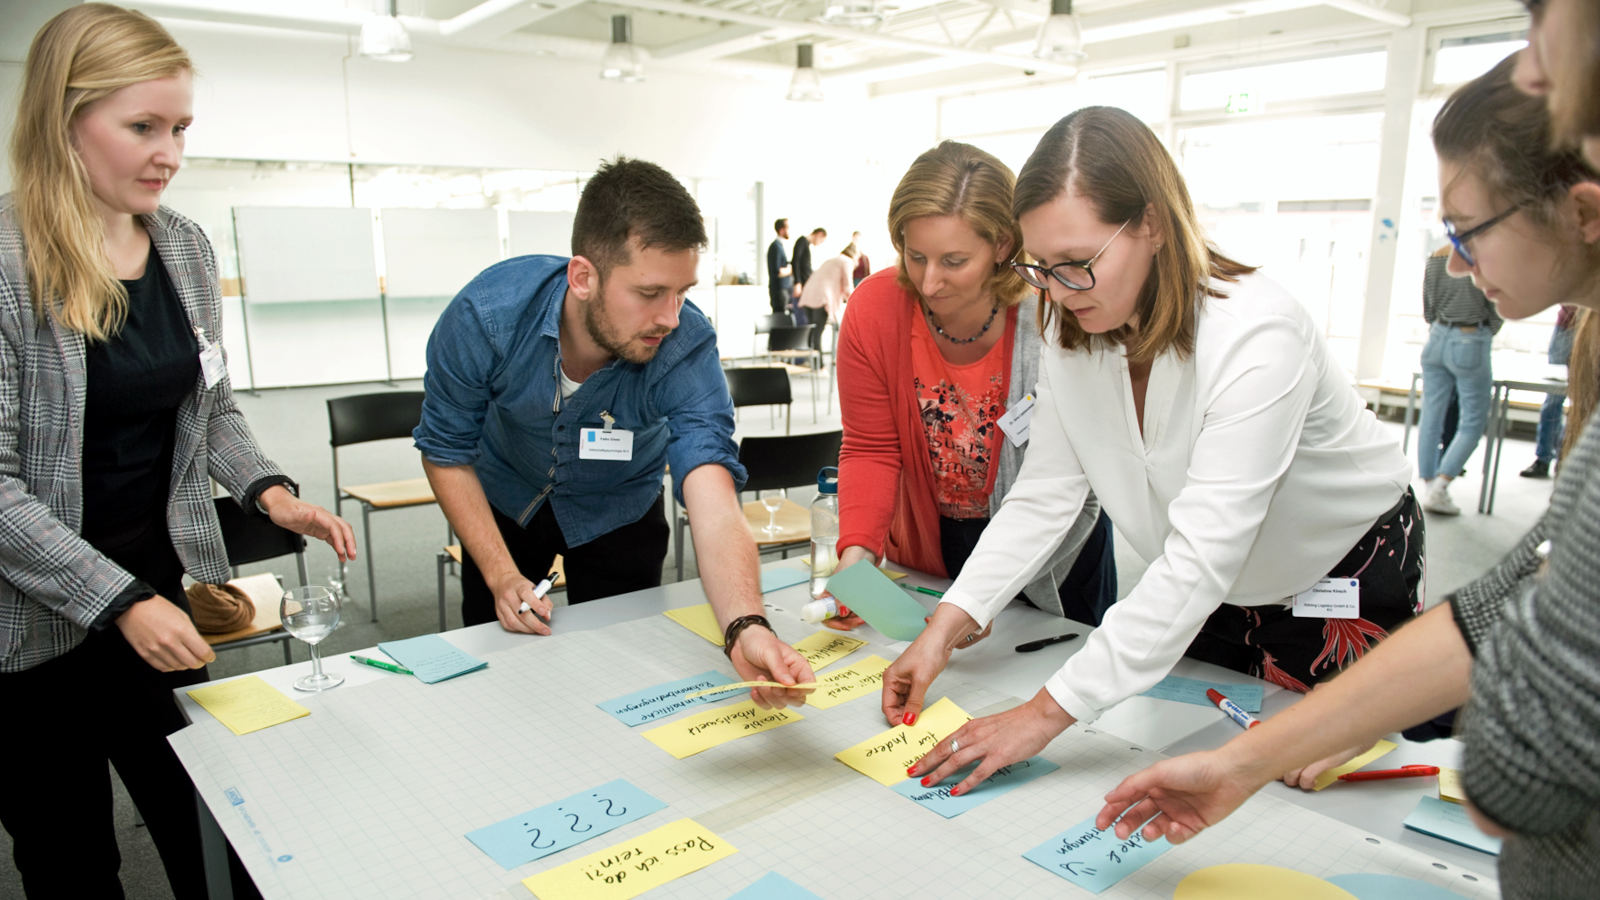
point(557, 392)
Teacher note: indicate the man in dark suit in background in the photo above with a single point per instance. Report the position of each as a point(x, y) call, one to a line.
point(802, 269)
point(780, 277)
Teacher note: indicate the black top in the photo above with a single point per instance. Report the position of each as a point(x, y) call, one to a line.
point(137, 379)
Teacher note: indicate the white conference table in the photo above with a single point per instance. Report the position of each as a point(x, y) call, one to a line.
point(1167, 726)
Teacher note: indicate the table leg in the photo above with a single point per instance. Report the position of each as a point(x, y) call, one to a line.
point(214, 853)
point(1495, 433)
point(1411, 405)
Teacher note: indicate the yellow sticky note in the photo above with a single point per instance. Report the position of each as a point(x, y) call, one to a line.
point(247, 704)
point(1332, 775)
point(693, 734)
point(1450, 785)
point(893, 575)
point(825, 648)
point(886, 757)
point(634, 866)
point(864, 677)
point(698, 619)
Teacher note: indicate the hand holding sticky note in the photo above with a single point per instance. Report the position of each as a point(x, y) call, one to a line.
point(872, 596)
point(886, 757)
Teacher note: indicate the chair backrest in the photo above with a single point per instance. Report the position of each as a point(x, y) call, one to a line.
point(766, 323)
point(253, 538)
point(796, 337)
point(788, 460)
point(759, 386)
point(359, 418)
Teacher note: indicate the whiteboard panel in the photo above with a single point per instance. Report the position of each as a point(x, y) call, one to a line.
point(292, 254)
point(540, 232)
point(435, 252)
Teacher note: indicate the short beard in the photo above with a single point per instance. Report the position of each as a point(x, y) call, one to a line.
point(601, 332)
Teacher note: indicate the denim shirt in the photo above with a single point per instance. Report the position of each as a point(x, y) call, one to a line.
point(492, 401)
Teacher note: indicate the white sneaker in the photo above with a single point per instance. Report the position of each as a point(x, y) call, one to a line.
point(1436, 499)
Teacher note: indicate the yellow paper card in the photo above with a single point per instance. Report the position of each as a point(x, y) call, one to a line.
point(704, 730)
point(1450, 785)
point(825, 648)
point(893, 575)
point(247, 704)
point(865, 677)
point(886, 757)
point(1332, 775)
point(747, 685)
point(634, 866)
point(698, 619)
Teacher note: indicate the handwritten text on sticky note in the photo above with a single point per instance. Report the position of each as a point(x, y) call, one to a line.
point(862, 678)
point(556, 826)
point(634, 866)
point(663, 699)
point(704, 730)
point(1093, 859)
point(885, 757)
point(825, 648)
point(938, 799)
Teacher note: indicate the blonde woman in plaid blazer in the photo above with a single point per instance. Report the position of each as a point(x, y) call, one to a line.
point(115, 413)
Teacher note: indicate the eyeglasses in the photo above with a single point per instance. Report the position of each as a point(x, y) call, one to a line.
point(1460, 239)
point(1077, 275)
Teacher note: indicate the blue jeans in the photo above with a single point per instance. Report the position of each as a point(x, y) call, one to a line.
point(1549, 427)
point(1458, 361)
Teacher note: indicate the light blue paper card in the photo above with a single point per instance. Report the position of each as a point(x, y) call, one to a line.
point(938, 799)
point(871, 595)
point(781, 577)
point(1391, 887)
point(1190, 690)
point(552, 828)
point(1450, 821)
point(665, 699)
point(1093, 859)
point(773, 886)
point(431, 657)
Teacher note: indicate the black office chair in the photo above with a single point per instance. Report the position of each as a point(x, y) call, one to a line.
point(762, 386)
point(765, 324)
point(792, 344)
point(360, 418)
point(774, 463)
point(251, 539)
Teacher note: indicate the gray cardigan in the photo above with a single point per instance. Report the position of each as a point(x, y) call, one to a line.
point(53, 584)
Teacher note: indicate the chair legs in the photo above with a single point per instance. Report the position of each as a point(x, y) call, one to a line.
point(443, 559)
point(366, 535)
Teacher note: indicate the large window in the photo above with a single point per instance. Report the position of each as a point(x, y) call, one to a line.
point(1008, 123)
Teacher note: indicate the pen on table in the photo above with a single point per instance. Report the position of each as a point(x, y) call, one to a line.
point(380, 664)
point(1412, 771)
point(1041, 643)
point(1233, 710)
point(539, 590)
point(922, 590)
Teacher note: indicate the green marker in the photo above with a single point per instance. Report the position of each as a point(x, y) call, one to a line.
point(922, 590)
point(380, 664)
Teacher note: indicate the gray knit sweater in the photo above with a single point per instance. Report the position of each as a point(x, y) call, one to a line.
point(1532, 727)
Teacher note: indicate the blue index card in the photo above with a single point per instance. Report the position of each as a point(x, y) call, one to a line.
point(1093, 859)
point(665, 699)
point(871, 595)
point(938, 799)
point(773, 886)
point(554, 827)
point(431, 657)
point(1450, 821)
point(782, 577)
point(1192, 690)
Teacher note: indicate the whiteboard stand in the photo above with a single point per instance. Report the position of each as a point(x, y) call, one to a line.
point(249, 357)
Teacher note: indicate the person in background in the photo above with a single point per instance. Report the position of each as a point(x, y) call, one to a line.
point(1548, 437)
point(1518, 645)
point(780, 274)
point(115, 415)
point(1199, 402)
point(863, 265)
point(826, 291)
point(932, 358)
point(558, 390)
point(1456, 365)
point(802, 271)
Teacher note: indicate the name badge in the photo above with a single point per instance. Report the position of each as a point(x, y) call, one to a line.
point(605, 443)
point(1330, 598)
point(212, 365)
point(1018, 421)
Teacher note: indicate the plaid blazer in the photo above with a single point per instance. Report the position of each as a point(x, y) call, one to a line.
point(53, 584)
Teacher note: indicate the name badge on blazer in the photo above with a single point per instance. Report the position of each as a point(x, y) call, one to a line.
point(1018, 421)
point(1330, 598)
point(212, 366)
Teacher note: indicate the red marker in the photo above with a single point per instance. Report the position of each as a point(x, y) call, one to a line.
point(1381, 774)
point(1233, 710)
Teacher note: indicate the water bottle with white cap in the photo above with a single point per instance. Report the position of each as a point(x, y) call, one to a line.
point(824, 530)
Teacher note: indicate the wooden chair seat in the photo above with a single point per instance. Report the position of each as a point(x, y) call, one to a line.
point(793, 520)
point(391, 494)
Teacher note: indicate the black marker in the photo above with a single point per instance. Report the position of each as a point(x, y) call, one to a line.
point(1042, 643)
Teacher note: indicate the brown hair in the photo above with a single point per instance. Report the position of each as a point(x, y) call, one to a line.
point(633, 198)
point(955, 179)
point(1116, 162)
point(1574, 99)
point(1583, 377)
point(80, 56)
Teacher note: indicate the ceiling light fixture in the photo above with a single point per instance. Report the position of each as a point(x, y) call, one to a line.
point(1060, 37)
point(623, 60)
point(855, 14)
point(384, 38)
point(805, 85)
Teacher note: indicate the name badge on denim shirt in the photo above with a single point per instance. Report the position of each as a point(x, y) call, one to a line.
point(1018, 421)
point(1330, 598)
point(605, 443)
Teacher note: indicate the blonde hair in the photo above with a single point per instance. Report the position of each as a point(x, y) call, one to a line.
point(1583, 378)
point(955, 179)
point(82, 55)
point(1116, 162)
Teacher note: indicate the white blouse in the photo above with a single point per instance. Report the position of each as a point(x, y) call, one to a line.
point(1259, 468)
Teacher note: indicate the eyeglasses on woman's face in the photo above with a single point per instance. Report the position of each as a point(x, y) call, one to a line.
point(1075, 274)
point(1460, 239)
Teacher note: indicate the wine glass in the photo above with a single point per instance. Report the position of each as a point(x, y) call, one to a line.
point(310, 613)
point(773, 501)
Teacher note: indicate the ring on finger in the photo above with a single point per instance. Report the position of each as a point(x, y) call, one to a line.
point(954, 745)
point(972, 637)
